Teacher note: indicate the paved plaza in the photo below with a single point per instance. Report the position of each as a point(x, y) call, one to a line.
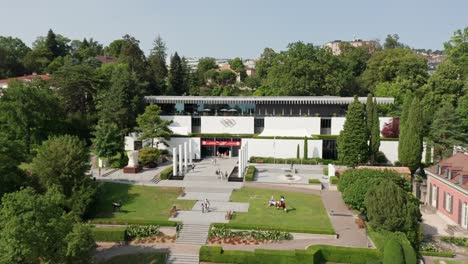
point(276, 173)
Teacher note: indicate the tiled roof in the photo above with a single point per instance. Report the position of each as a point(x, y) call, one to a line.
point(106, 59)
point(27, 78)
point(457, 165)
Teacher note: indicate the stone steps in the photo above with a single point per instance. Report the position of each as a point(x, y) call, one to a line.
point(182, 259)
point(193, 234)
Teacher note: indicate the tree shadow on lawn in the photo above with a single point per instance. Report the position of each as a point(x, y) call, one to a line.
point(109, 193)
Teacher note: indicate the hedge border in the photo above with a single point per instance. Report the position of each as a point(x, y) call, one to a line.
point(250, 175)
point(314, 181)
point(334, 180)
point(133, 222)
point(109, 234)
point(437, 254)
point(164, 175)
point(291, 230)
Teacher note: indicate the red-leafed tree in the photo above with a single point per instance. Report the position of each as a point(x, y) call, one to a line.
point(391, 129)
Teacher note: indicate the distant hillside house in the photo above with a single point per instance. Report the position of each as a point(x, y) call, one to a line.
point(27, 78)
point(228, 67)
point(106, 59)
point(447, 188)
point(335, 46)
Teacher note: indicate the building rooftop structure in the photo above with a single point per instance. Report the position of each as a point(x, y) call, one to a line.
point(453, 171)
point(27, 78)
point(323, 100)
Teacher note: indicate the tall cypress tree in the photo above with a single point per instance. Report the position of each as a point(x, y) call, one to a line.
point(306, 149)
point(403, 121)
point(176, 76)
point(369, 113)
point(352, 142)
point(374, 143)
point(412, 142)
point(52, 44)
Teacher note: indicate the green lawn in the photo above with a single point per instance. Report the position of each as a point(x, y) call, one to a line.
point(140, 204)
point(306, 212)
point(142, 258)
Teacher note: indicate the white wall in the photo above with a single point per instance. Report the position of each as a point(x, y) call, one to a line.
point(285, 126)
point(314, 148)
point(390, 149)
point(181, 125)
point(227, 124)
point(176, 141)
point(337, 124)
point(281, 148)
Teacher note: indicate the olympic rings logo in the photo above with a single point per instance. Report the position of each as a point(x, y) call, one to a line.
point(228, 122)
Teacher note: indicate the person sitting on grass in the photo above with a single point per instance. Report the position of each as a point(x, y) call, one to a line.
point(272, 201)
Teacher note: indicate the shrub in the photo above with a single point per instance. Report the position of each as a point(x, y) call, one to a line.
point(347, 254)
point(110, 234)
point(223, 232)
point(437, 254)
point(459, 241)
point(381, 238)
point(250, 175)
point(166, 173)
point(393, 253)
point(148, 155)
point(139, 231)
point(391, 129)
point(334, 180)
point(325, 171)
point(218, 255)
point(314, 181)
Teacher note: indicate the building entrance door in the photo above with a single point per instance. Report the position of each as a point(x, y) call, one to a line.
point(465, 215)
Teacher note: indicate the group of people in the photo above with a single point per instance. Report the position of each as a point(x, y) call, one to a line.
point(205, 206)
point(281, 204)
point(219, 173)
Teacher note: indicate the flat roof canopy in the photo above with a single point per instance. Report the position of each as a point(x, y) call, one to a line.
point(336, 100)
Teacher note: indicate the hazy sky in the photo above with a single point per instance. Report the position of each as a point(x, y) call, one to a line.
point(219, 28)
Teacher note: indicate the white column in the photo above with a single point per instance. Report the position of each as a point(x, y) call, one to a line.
point(174, 161)
point(190, 151)
point(185, 156)
point(180, 160)
point(240, 163)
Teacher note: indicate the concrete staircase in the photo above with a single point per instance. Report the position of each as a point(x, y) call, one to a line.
point(193, 234)
point(182, 259)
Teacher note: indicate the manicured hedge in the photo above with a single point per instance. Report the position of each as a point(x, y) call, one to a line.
point(437, 254)
point(393, 253)
point(133, 222)
point(325, 171)
point(347, 254)
point(314, 181)
point(109, 234)
point(314, 254)
point(381, 238)
point(249, 176)
point(294, 230)
point(166, 173)
point(334, 180)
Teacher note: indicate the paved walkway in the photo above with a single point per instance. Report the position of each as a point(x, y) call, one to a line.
point(275, 173)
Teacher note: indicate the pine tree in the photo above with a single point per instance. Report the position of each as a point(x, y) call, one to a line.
point(176, 76)
point(411, 143)
point(306, 150)
point(369, 113)
point(52, 44)
point(403, 119)
point(157, 63)
point(374, 142)
point(352, 142)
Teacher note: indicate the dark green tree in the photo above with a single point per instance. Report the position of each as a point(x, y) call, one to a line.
point(446, 131)
point(57, 45)
point(403, 122)
point(29, 112)
point(115, 48)
point(12, 52)
point(391, 42)
point(457, 48)
point(352, 142)
point(204, 66)
point(265, 62)
point(107, 140)
point(373, 128)
point(62, 162)
point(226, 77)
point(237, 65)
point(35, 229)
point(390, 208)
point(411, 142)
point(152, 126)
point(177, 83)
point(12, 178)
point(132, 55)
point(306, 149)
point(157, 64)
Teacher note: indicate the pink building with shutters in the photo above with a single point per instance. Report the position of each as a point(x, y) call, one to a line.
point(447, 184)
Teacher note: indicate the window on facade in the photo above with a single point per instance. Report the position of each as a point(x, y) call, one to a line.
point(448, 202)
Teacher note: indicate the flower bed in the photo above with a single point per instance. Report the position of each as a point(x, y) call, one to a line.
point(224, 235)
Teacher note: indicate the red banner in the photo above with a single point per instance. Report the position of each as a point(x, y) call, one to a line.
point(220, 143)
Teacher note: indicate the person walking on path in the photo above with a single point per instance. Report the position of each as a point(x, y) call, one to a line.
point(207, 205)
point(203, 207)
